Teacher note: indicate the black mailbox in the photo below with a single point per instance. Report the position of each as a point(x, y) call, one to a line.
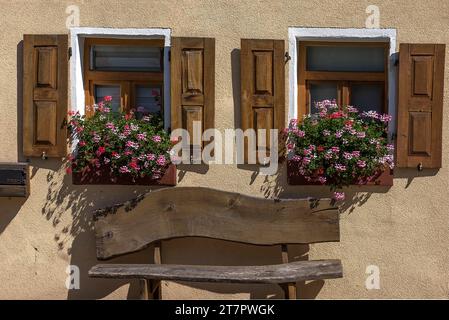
point(14, 179)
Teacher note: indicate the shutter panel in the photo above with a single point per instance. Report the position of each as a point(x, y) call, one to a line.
point(263, 92)
point(45, 68)
point(192, 83)
point(420, 105)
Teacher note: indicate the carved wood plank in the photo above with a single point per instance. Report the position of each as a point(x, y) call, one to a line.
point(204, 212)
point(280, 273)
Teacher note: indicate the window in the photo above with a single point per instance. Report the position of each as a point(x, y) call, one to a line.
point(129, 70)
point(352, 73)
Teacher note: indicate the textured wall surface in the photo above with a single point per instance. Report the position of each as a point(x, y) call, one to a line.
point(403, 230)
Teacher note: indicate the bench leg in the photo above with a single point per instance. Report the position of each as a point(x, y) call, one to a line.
point(289, 288)
point(150, 289)
point(156, 290)
point(290, 291)
point(144, 289)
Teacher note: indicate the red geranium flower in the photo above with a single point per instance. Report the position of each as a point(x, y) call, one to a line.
point(336, 115)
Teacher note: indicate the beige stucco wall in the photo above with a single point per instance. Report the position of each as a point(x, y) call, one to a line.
point(404, 230)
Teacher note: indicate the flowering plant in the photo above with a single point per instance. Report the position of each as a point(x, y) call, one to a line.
point(126, 143)
point(340, 146)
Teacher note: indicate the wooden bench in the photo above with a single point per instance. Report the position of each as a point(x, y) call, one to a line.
point(202, 212)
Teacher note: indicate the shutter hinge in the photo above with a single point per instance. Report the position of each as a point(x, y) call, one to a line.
point(64, 123)
point(396, 62)
point(287, 57)
point(70, 52)
point(393, 136)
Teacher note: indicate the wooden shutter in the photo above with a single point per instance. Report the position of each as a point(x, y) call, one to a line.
point(262, 85)
point(192, 83)
point(45, 67)
point(420, 106)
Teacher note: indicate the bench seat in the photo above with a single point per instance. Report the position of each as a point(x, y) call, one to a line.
point(277, 274)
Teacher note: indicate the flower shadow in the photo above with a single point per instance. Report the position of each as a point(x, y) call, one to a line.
point(69, 209)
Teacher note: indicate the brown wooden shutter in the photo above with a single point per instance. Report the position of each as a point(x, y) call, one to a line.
point(262, 83)
point(192, 83)
point(45, 68)
point(420, 105)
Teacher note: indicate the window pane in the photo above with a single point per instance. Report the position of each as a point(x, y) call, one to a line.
point(342, 58)
point(102, 91)
point(367, 97)
point(148, 98)
point(320, 92)
point(125, 58)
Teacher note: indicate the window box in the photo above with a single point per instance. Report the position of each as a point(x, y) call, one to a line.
point(102, 176)
point(384, 178)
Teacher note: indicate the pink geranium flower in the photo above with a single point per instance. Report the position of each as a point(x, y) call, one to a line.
point(124, 169)
point(361, 164)
point(361, 134)
point(339, 196)
point(161, 160)
point(141, 136)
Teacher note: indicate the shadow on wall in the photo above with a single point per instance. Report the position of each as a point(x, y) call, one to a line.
point(277, 187)
point(69, 209)
point(9, 209)
point(20, 156)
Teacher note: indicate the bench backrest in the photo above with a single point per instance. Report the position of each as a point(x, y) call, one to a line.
point(203, 212)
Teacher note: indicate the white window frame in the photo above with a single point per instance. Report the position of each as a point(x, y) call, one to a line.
point(77, 36)
point(296, 34)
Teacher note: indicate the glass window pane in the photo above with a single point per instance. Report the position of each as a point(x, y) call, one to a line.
point(147, 98)
point(367, 97)
point(320, 92)
point(102, 91)
point(342, 58)
point(125, 58)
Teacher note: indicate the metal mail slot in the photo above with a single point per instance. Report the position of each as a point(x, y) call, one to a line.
point(14, 179)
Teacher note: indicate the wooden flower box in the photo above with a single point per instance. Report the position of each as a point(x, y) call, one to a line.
point(104, 177)
point(384, 178)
